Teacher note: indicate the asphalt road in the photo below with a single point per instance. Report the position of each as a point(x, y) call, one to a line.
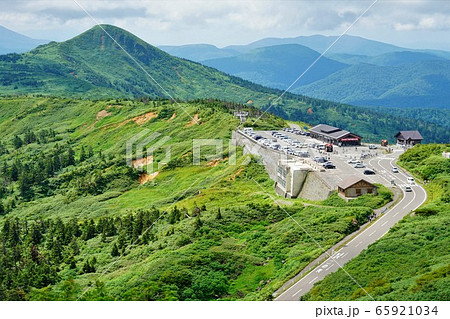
point(409, 202)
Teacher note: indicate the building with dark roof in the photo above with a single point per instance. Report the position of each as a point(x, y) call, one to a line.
point(355, 186)
point(408, 138)
point(334, 135)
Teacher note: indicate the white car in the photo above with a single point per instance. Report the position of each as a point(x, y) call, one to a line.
point(275, 146)
point(359, 165)
point(394, 170)
point(410, 179)
point(372, 147)
point(353, 161)
point(408, 189)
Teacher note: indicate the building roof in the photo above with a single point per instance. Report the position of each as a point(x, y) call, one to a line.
point(352, 180)
point(330, 131)
point(410, 135)
point(325, 128)
point(293, 164)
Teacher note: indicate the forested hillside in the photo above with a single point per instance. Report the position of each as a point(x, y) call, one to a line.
point(93, 66)
point(70, 206)
point(420, 84)
point(412, 262)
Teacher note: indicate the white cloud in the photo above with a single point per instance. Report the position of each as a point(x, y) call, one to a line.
point(225, 22)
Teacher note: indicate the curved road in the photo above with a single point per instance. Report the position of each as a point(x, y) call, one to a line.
point(409, 202)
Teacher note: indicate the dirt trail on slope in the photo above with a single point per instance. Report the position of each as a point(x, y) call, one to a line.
point(194, 121)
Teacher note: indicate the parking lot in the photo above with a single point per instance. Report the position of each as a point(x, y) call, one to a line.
point(343, 162)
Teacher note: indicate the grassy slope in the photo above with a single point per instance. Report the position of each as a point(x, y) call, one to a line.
point(248, 253)
point(86, 66)
point(412, 262)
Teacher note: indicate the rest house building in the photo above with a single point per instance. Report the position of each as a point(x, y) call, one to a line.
point(334, 135)
point(408, 138)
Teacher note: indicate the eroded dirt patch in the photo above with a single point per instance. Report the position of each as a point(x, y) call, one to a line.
point(213, 163)
point(194, 121)
point(139, 163)
point(239, 171)
point(172, 117)
point(100, 115)
point(141, 119)
point(145, 178)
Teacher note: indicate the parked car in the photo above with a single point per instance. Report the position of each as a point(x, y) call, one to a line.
point(319, 159)
point(408, 189)
point(291, 152)
point(304, 154)
point(359, 165)
point(369, 172)
point(372, 147)
point(321, 147)
point(353, 161)
point(275, 146)
point(329, 165)
point(394, 170)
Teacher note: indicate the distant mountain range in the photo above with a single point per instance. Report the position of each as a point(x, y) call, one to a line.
point(198, 52)
point(13, 42)
point(277, 66)
point(421, 84)
point(355, 70)
point(92, 66)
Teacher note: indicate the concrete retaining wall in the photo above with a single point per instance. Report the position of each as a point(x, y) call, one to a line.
point(315, 188)
point(270, 157)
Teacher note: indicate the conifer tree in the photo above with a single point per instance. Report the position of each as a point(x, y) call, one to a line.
point(115, 250)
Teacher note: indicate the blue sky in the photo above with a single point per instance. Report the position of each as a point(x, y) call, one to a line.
point(410, 23)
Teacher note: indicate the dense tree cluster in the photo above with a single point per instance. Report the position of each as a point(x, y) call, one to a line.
point(33, 253)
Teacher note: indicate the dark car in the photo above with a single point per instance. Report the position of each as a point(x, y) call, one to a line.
point(329, 166)
point(320, 159)
point(369, 172)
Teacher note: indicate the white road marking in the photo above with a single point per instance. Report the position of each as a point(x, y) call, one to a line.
point(372, 233)
point(384, 223)
point(313, 280)
point(359, 244)
point(297, 293)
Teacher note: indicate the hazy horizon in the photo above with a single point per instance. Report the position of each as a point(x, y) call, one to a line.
point(420, 24)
